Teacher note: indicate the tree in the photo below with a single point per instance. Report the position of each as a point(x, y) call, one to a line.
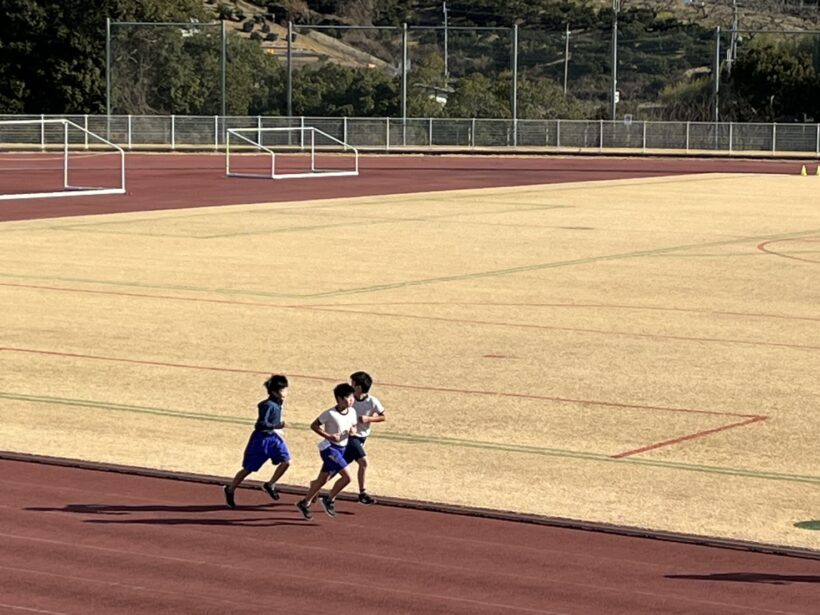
point(54, 60)
point(775, 79)
point(477, 95)
point(544, 99)
point(688, 100)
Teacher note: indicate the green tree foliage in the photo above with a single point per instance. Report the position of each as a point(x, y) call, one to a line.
point(334, 90)
point(54, 51)
point(775, 79)
point(54, 62)
point(178, 70)
point(477, 95)
point(540, 99)
point(689, 100)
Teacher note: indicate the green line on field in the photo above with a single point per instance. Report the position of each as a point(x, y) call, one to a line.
point(425, 281)
point(425, 440)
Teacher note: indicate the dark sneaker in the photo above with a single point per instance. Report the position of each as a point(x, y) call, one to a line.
point(229, 497)
point(327, 504)
point(365, 499)
point(270, 490)
point(304, 509)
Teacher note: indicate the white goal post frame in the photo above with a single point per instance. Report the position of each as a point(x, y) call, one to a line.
point(314, 172)
point(69, 189)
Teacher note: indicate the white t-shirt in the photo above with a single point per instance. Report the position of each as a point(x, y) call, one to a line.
point(367, 407)
point(334, 421)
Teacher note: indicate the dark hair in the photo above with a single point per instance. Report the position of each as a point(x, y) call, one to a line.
point(343, 390)
point(363, 379)
point(276, 383)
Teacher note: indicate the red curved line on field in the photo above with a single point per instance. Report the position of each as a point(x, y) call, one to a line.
point(612, 306)
point(467, 321)
point(236, 370)
point(419, 317)
point(763, 248)
point(692, 436)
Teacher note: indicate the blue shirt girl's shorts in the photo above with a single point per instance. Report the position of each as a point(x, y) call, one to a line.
point(261, 447)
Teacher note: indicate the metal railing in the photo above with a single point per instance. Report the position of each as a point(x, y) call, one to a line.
point(173, 132)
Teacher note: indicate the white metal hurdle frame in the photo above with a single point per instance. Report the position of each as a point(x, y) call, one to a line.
point(69, 189)
point(314, 172)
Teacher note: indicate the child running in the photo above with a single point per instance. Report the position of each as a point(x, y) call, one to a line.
point(368, 410)
point(266, 441)
point(334, 425)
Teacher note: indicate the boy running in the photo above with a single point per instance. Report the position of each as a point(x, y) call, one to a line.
point(266, 441)
point(334, 425)
point(368, 410)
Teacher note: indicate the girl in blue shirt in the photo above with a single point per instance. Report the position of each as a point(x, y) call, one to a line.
point(266, 441)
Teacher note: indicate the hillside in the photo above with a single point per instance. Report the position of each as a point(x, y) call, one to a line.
point(267, 21)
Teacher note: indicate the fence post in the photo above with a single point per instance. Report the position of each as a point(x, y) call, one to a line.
point(558, 134)
point(85, 125)
point(108, 71)
point(387, 134)
point(290, 69)
point(717, 74)
point(430, 134)
point(472, 133)
point(216, 133)
point(515, 85)
point(601, 136)
point(259, 128)
point(173, 136)
point(687, 136)
point(774, 137)
point(302, 132)
point(404, 84)
point(130, 137)
point(731, 126)
point(224, 68)
point(344, 129)
point(43, 131)
point(643, 147)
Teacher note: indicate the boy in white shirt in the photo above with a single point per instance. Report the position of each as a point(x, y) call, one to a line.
point(368, 410)
point(334, 425)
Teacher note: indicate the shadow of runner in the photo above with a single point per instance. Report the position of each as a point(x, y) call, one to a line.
point(120, 509)
point(239, 522)
point(230, 518)
point(750, 577)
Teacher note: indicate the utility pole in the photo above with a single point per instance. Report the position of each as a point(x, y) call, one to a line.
point(733, 44)
point(616, 6)
point(446, 68)
point(566, 59)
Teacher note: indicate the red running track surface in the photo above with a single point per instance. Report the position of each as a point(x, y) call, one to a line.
point(87, 542)
point(175, 181)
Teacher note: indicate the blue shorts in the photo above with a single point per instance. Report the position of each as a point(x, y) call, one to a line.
point(261, 447)
point(333, 458)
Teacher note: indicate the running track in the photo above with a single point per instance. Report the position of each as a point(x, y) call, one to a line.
point(88, 542)
point(175, 181)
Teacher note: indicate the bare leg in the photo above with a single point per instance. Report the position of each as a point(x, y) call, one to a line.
point(315, 486)
point(240, 476)
point(362, 471)
point(344, 480)
point(277, 474)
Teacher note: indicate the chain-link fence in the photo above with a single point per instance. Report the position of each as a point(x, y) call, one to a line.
point(163, 68)
point(670, 71)
point(207, 133)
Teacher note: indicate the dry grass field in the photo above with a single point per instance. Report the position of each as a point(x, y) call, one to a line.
point(643, 352)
